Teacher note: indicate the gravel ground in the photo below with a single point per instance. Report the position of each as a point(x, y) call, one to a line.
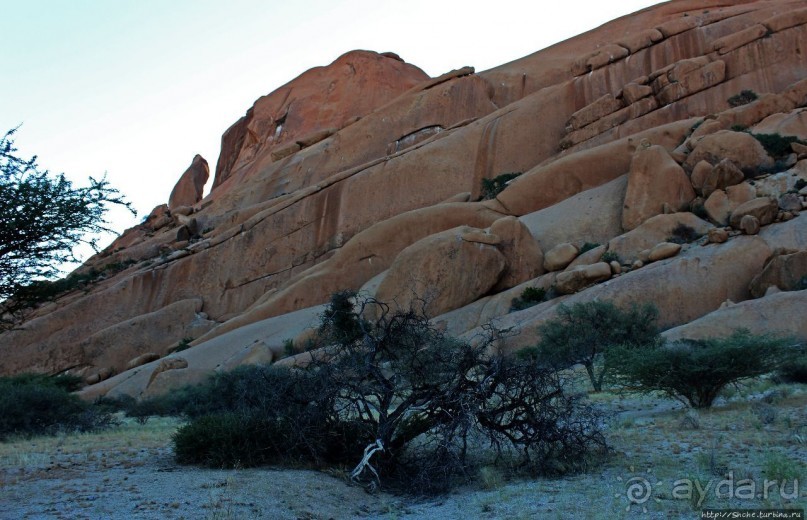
point(129, 472)
point(148, 484)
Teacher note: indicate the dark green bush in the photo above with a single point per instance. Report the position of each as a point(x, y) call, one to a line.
point(800, 183)
point(683, 234)
point(530, 297)
point(400, 384)
point(794, 370)
point(610, 256)
point(776, 145)
point(588, 246)
point(494, 186)
point(40, 405)
point(584, 333)
point(698, 209)
point(184, 344)
point(111, 405)
point(226, 440)
point(743, 98)
point(695, 371)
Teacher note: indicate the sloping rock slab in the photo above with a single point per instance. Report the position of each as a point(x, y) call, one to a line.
point(683, 288)
point(780, 314)
point(207, 357)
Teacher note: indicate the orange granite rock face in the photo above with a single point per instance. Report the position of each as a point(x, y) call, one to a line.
point(314, 106)
point(188, 190)
point(326, 182)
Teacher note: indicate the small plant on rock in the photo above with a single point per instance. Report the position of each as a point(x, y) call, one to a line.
point(530, 297)
point(184, 344)
point(494, 186)
point(699, 210)
point(683, 234)
point(610, 256)
point(743, 98)
point(588, 246)
point(777, 145)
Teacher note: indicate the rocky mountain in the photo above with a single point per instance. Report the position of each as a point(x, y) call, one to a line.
point(661, 158)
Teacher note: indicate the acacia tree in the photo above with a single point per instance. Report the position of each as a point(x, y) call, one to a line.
point(583, 333)
point(695, 371)
point(43, 217)
point(405, 405)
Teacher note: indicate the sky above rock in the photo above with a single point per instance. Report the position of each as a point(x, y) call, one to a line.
point(136, 88)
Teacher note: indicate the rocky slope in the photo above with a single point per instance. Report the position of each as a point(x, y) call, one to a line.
point(367, 174)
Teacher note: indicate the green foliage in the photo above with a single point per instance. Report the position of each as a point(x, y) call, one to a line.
point(695, 371)
point(683, 234)
point(530, 297)
point(39, 405)
point(794, 370)
point(698, 209)
point(184, 344)
point(585, 332)
point(39, 291)
point(588, 246)
point(226, 440)
point(400, 384)
point(777, 145)
point(800, 183)
point(494, 186)
point(743, 98)
point(739, 128)
point(340, 324)
point(781, 468)
point(610, 256)
point(42, 219)
point(288, 347)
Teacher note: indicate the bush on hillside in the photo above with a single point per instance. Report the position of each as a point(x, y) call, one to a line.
point(588, 246)
point(743, 98)
point(494, 186)
point(396, 399)
point(530, 297)
point(683, 234)
point(610, 256)
point(695, 371)
point(777, 145)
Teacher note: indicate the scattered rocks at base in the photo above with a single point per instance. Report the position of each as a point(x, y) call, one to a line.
point(763, 209)
point(663, 250)
point(749, 225)
point(717, 235)
point(654, 180)
point(560, 256)
point(142, 359)
point(786, 272)
point(570, 282)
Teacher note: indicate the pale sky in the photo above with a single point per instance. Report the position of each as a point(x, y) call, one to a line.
point(136, 88)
